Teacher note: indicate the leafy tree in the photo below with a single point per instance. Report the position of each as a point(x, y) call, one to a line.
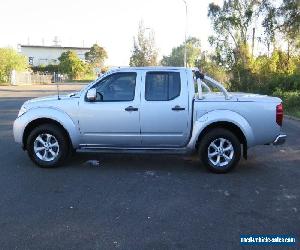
point(271, 72)
point(269, 24)
point(71, 65)
point(208, 66)
point(231, 24)
point(176, 58)
point(289, 11)
point(144, 50)
point(96, 56)
point(289, 15)
point(276, 72)
point(284, 19)
point(11, 60)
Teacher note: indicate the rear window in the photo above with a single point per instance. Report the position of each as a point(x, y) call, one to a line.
point(162, 86)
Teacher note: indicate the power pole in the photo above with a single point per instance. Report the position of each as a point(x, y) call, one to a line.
point(185, 33)
point(56, 41)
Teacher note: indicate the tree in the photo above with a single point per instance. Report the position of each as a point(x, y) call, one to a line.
point(289, 23)
point(284, 19)
point(144, 50)
point(269, 24)
point(275, 73)
point(71, 64)
point(96, 56)
point(176, 58)
point(231, 24)
point(11, 60)
point(208, 65)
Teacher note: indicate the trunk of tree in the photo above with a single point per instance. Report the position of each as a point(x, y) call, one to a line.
point(253, 38)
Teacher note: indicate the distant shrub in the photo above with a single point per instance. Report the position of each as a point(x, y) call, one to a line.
point(51, 68)
point(11, 60)
point(291, 100)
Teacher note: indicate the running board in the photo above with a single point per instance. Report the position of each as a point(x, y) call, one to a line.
point(134, 150)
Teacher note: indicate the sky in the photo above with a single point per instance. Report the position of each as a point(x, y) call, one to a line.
point(110, 23)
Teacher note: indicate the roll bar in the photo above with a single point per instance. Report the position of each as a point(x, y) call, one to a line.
point(200, 77)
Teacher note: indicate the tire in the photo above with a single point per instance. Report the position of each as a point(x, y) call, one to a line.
point(47, 146)
point(220, 150)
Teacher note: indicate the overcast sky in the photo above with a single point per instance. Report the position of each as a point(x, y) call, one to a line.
point(110, 23)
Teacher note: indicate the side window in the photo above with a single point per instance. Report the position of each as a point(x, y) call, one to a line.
point(162, 86)
point(117, 87)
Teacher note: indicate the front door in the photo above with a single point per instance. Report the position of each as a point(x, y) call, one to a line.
point(113, 119)
point(164, 109)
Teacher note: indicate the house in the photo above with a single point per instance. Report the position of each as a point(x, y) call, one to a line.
point(45, 55)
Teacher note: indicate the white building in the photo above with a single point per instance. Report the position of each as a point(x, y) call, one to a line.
point(45, 55)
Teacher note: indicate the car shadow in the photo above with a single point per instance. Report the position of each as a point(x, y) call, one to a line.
point(145, 162)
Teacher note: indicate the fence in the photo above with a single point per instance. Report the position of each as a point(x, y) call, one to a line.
point(19, 78)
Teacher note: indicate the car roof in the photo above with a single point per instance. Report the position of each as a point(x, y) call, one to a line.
point(162, 68)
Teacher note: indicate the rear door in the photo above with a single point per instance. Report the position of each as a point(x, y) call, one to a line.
point(164, 109)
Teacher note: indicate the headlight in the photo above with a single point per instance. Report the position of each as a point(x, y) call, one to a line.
point(23, 110)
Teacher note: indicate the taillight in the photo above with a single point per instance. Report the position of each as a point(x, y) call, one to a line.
point(279, 114)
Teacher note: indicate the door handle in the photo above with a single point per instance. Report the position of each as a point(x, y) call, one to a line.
point(178, 108)
point(130, 108)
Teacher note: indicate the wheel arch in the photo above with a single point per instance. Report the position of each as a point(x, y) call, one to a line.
point(39, 116)
point(236, 130)
point(41, 121)
point(224, 118)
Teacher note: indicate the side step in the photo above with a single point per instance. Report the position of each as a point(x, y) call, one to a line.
point(134, 150)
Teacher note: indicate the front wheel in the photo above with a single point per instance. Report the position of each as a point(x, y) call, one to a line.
point(220, 150)
point(47, 145)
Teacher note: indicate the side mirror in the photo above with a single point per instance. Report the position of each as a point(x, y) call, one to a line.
point(91, 95)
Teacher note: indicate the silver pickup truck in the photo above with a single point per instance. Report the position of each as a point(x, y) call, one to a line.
point(150, 109)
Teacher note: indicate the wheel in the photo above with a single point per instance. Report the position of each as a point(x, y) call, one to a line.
point(47, 145)
point(220, 150)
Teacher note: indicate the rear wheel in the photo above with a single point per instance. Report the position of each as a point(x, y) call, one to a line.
point(47, 145)
point(220, 150)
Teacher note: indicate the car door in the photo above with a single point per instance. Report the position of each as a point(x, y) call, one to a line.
point(112, 120)
point(164, 109)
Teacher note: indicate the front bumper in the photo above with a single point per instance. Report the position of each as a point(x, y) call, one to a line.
point(18, 130)
point(280, 139)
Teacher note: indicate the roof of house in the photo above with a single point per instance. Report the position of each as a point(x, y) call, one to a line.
point(54, 47)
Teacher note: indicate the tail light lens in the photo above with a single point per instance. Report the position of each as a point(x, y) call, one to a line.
point(279, 114)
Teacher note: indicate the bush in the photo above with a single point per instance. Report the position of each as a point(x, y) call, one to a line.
point(291, 101)
point(51, 68)
point(11, 60)
point(72, 65)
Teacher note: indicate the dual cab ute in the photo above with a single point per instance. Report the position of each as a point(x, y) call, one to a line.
point(150, 109)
